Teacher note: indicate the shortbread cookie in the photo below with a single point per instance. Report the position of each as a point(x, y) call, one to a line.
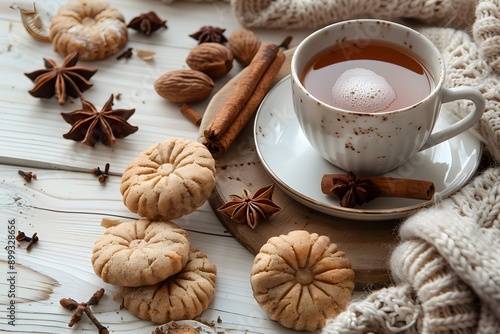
point(169, 179)
point(91, 28)
point(301, 279)
point(140, 252)
point(183, 296)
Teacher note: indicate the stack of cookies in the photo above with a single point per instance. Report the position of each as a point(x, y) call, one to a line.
point(152, 259)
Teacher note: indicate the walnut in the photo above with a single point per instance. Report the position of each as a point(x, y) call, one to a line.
point(213, 59)
point(184, 86)
point(244, 44)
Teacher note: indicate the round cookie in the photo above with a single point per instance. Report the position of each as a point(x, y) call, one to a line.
point(301, 279)
point(140, 252)
point(169, 179)
point(91, 28)
point(183, 296)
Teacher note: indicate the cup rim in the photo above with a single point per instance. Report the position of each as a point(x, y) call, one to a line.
point(437, 87)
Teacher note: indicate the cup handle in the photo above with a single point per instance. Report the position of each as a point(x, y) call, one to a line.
point(453, 94)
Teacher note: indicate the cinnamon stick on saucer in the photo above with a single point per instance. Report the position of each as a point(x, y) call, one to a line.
point(369, 187)
point(244, 99)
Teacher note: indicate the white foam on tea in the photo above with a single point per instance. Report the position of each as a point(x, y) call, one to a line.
point(359, 89)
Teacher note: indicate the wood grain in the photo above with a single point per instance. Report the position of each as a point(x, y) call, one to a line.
point(366, 243)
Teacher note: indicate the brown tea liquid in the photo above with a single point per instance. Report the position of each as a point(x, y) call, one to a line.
point(406, 76)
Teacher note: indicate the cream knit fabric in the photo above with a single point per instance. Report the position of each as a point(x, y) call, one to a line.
point(447, 270)
point(317, 13)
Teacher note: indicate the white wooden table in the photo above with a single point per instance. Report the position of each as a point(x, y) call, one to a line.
point(66, 204)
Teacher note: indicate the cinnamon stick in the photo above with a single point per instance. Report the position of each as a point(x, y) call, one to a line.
point(242, 92)
point(387, 186)
point(191, 114)
point(219, 146)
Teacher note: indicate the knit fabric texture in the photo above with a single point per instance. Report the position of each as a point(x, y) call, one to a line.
point(316, 13)
point(446, 270)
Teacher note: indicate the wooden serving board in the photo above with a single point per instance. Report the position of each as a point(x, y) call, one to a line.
point(367, 244)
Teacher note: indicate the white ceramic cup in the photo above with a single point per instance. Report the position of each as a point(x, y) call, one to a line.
point(375, 143)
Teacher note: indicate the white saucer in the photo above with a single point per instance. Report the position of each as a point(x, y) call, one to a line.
point(295, 166)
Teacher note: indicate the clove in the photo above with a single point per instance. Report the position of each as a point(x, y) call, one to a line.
point(285, 45)
point(127, 54)
point(21, 236)
point(27, 176)
point(102, 175)
point(34, 240)
point(80, 308)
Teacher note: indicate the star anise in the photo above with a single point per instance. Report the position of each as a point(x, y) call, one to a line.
point(147, 23)
point(251, 209)
point(210, 34)
point(351, 190)
point(61, 81)
point(90, 126)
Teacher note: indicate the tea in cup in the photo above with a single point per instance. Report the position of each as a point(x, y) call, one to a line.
point(367, 94)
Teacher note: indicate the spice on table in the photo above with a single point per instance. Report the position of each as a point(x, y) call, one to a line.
point(90, 126)
point(191, 114)
point(27, 176)
point(147, 23)
point(351, 190)
point(61, 81)
point(80, 308)
point(251, 209)
point(34, 240)
point(210, 34)
point(101, 174)
point(244, 100)
point(21, 236)
point(127, 54)
point(286, 43)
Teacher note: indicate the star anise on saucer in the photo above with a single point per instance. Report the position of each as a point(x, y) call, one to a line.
point(210, 34)
point(61, 81)
point(91, 126)
point(351, 190)
point(251, 209)
point(147, 23)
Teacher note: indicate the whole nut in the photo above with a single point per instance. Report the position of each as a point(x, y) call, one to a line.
point(244, 44)
point(213, 59)
point(184, 86)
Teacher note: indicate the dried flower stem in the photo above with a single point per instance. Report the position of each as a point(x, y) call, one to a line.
point(191, 114)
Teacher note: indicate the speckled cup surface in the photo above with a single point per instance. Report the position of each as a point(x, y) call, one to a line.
point(375, 143)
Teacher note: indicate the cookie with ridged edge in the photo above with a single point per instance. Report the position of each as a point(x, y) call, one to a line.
point(183, 296)
point(91, 28)
point(301, 279)
point(169, 179)
point(140, 252)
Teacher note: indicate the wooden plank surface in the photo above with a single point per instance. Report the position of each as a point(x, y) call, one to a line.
point(66, 204)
